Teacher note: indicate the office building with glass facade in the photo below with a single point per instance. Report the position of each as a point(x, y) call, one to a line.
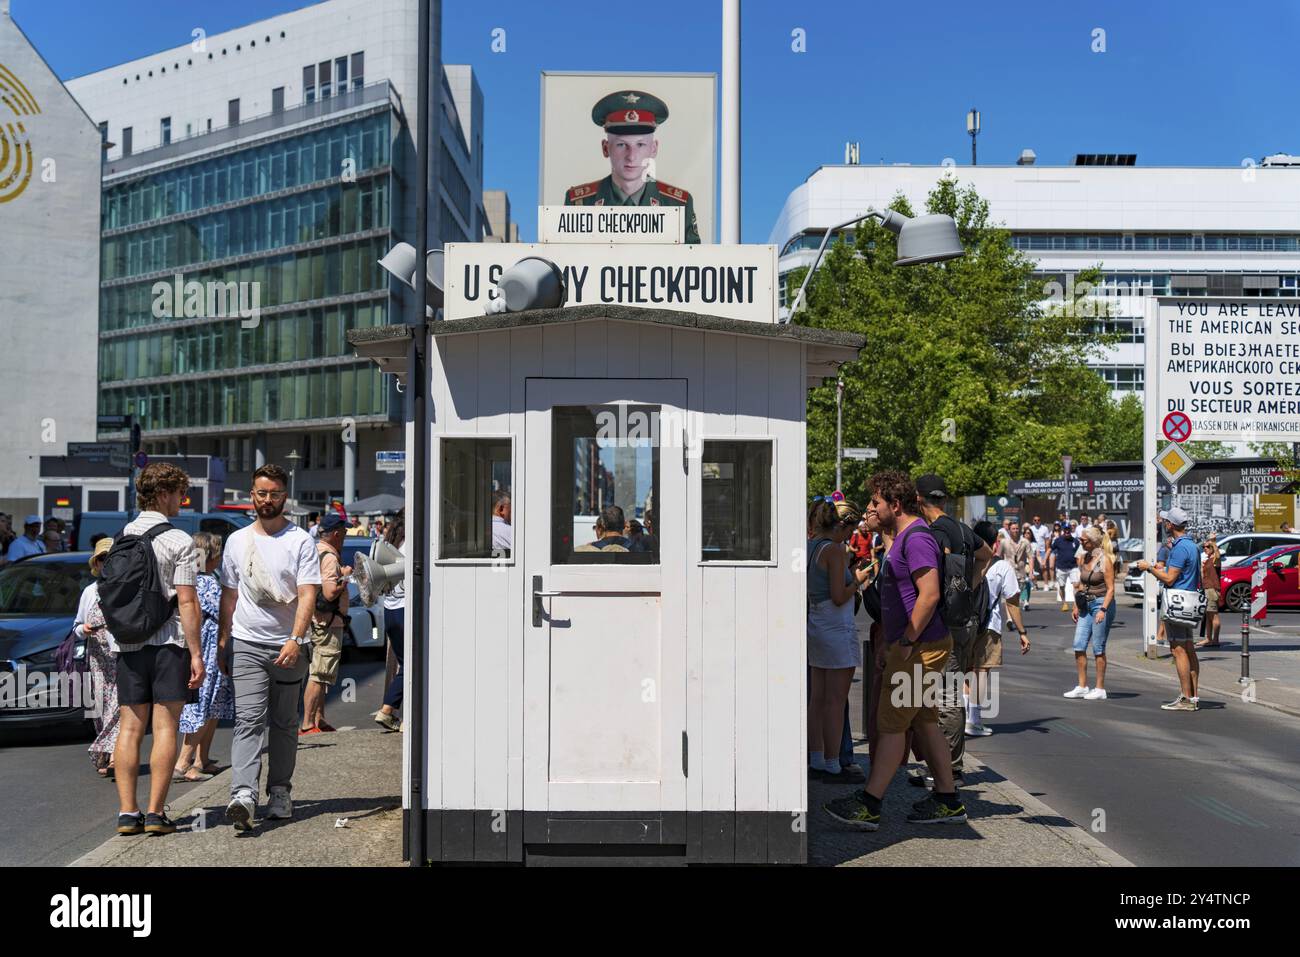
point(249, 189)
point(1231, 231)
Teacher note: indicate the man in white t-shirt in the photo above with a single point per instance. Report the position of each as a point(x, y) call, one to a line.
point(986, 653)
point(270, 576)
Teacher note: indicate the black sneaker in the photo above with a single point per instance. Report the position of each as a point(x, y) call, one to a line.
point(159, 823)
point(916, 779)
point(852, 811)
point(130, 823)
point(934, 811)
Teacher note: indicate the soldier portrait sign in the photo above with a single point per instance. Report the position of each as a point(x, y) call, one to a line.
point(631, 139)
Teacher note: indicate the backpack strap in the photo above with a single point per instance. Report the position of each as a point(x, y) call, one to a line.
point(157, 530)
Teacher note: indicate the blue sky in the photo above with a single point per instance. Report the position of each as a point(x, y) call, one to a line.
point(1180, 83)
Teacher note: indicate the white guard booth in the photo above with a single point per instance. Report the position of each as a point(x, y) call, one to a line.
point(628, 697)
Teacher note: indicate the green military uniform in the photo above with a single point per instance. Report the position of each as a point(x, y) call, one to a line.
point(629, 113)
point(653, 193)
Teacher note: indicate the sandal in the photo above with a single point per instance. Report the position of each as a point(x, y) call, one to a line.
point(1208, 644)
point(182, 775)
point(211, 767)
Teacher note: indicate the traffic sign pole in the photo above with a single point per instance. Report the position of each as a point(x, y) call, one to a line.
point(1151, 491)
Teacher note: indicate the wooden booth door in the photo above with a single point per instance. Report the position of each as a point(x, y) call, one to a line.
point(605, 619)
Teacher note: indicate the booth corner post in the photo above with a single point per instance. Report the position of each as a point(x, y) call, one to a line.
point(417, 834)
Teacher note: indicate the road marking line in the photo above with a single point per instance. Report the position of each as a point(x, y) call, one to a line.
point(1071, 729)
point(1226, 812)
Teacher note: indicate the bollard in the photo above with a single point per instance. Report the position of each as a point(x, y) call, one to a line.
point(1245, 645)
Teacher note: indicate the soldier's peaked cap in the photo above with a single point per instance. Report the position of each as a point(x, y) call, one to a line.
point(629, 111)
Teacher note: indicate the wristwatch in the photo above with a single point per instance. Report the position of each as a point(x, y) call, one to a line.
point(300, 641)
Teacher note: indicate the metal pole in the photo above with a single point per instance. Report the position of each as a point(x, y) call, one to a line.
point(839, 431)
point(1245, 644)
point(417, 527)
point(730, 226)
point(973, 161)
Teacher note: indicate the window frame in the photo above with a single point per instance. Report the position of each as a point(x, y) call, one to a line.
point(697, 535)
point(436, 484)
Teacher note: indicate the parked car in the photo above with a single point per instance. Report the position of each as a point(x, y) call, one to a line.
point(1235, 548)
point(1280, 579)
point(112, 523)
point(38, 602)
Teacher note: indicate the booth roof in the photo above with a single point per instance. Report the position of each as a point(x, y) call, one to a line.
point(387, 344)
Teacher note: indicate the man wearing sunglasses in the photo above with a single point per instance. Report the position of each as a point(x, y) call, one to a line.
point(270, 575)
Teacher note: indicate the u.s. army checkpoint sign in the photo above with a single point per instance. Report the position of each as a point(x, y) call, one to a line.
point(734, 282)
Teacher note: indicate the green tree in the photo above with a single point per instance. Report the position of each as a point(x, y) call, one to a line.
point(964, 372)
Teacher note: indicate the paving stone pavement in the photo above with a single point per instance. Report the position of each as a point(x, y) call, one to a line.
point(363, 764)
point(1007, 828)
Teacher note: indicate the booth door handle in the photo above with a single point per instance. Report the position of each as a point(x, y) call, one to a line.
point(539, 614)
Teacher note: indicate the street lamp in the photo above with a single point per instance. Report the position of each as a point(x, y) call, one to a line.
point(293, 458)
point(973, 128)
point(921, 239)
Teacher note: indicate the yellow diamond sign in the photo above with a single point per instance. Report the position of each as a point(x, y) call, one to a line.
point(1172, 462)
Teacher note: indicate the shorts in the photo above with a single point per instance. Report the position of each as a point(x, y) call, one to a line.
point(1177, 631)
point(987, 650)
point(907, 695)
point(155, 674)
point(1211, 600)
point(326, 654)
point(1087, 631)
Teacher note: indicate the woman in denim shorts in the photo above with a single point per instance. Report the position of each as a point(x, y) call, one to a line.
point(1093, 612)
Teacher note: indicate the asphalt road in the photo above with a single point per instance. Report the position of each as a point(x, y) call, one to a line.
point(57, 808)
point(1216, 787)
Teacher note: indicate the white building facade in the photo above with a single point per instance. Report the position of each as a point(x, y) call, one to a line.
point(49, 275)
point(278, 157)
point(1152, 230)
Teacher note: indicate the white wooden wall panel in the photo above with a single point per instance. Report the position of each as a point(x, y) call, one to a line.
point(686, 361)
point(719, 598)
point(497, 590)
point(591, 356)
point(787, 729)
point(751, 636)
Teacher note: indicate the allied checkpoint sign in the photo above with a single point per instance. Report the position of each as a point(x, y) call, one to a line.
point(734, 282)
point(1232, 367)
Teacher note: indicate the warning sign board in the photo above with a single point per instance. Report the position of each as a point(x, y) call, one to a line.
point(1172, 462)
point(1232, 366)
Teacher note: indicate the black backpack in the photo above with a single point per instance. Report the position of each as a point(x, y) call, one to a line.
point(130, 591)
point(964, 602)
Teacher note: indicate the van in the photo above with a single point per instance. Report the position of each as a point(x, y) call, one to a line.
point(221, 523)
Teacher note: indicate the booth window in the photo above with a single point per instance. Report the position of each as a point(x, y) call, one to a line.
point(736, 501)
point(477, 517)
point(604, 471)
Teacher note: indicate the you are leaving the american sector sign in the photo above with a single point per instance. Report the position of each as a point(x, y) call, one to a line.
point(1233, 365)
point(735, 282)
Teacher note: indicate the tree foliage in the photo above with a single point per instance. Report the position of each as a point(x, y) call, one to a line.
point(965, 372)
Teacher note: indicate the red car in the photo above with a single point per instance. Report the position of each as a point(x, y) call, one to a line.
point(1280, 580)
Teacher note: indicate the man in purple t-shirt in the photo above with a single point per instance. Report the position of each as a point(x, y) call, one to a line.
point(915, 650)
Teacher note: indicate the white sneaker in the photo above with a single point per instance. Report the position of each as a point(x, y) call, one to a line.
point(240, 811)
point(278, 805)
point(1078, 691)
point(978, 731)
point(1096, 694)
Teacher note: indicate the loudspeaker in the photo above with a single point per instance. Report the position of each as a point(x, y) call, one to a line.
point(379, 574)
